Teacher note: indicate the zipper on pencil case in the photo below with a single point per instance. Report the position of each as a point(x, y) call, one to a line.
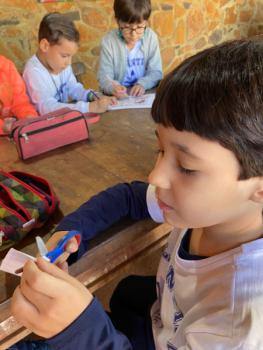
point(26, 134)
point(23, 183)
point(30, 121)
point(21, 217)
point(27, 181)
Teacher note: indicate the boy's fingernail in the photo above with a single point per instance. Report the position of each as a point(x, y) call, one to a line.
point(72, 246)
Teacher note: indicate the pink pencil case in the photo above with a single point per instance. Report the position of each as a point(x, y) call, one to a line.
point(34, 136)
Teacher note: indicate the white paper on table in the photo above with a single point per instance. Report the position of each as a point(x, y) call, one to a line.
point(14, 260)
point(144, 101)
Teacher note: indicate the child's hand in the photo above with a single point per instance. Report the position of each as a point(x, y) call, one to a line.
point(119, 91)
point(71, 247)
point(101, 105)
point(137, 90)
point(48, 300)
point(7, 126)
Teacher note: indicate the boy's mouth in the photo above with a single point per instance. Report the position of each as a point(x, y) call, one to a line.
point(163, 206)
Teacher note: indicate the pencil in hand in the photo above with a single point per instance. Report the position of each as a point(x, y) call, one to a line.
point(118, 90)
point(96, 96)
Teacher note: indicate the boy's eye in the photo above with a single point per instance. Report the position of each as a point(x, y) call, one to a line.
point(159, 151)
point(128, 30)
point(180, 167)
point(186, 171)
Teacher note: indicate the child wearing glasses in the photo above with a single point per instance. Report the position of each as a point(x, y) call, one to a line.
point(130, 56)
point(48, 75)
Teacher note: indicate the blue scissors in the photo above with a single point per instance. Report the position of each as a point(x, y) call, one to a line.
point(60, 247)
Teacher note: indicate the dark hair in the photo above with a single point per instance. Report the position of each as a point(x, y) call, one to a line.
point(55, 26)
point(132, 11)
point(218, 95)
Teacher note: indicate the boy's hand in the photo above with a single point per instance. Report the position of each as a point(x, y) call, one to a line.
point(7, 126)
point(137, 90)
point(71, 247)
point(101, 105)
point(119, 91)
point(48, 300)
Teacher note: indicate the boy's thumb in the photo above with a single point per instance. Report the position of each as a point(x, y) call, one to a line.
point(51, 269)
point(55, 271)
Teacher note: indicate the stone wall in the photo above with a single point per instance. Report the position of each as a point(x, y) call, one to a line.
point(184, 27)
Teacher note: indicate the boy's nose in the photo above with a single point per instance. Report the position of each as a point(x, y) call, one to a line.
point(159, 176)
point(133, 32)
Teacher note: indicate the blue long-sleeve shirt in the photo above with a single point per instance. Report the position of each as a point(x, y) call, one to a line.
point(104, 209)
point(93, 330)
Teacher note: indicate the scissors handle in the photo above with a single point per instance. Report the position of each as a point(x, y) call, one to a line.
point(60, 247)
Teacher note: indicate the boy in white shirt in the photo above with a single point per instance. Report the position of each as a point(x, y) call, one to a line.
point(208, 184)
point(48, 75)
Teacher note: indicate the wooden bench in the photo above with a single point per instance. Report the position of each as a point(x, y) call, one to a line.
point(118, 252)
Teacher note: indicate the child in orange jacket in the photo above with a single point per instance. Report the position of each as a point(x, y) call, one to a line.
point(14, 101)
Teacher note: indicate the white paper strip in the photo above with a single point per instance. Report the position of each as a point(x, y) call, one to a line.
point(15, 260)
point(132, 102)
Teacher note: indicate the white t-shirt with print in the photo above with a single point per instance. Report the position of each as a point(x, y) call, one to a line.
point(214, 303)
point(135, 65)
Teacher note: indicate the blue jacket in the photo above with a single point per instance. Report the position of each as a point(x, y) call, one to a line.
point(93, 329)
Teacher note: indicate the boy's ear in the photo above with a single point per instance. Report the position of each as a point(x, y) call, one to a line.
point(44, 45)
point(257, 195)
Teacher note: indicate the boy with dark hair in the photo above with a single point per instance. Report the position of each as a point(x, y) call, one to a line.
point(208, 183)
point(55, 26)
point(48, 75)
point(130, 55)
point(132, 11)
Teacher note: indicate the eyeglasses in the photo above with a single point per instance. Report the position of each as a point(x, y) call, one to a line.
point(129, 30)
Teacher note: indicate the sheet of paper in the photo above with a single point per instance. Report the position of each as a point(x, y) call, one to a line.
point(14, 260)
point(130, 102)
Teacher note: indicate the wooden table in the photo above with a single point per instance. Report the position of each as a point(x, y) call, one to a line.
point(121, 149)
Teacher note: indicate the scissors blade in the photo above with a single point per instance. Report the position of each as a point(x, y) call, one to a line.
point(41, 246)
